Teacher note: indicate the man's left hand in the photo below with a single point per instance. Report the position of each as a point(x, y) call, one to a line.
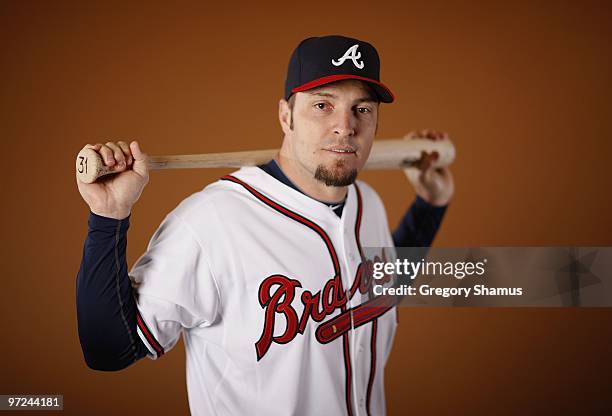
point(434, 185)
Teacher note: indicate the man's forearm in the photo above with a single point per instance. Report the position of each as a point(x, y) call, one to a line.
point(106, 308)
point(419, 225)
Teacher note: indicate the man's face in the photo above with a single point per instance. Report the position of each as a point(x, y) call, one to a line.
point(333, 129)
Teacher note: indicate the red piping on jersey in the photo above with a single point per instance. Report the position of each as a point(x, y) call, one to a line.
point(375, 321)
point(372, 364)
point(150, 338)
point(334, 257)
point(357, 281)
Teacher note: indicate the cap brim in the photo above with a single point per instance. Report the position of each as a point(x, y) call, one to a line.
point(384, 94)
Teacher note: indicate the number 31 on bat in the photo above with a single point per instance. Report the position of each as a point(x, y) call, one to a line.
point(82, 164)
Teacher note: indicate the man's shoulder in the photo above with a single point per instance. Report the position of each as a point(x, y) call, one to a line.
point(219, 196)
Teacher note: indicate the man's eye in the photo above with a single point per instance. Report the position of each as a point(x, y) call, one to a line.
point(364, 110)
point(321, 106)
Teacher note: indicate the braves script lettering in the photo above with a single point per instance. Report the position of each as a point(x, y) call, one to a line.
point(277, 293)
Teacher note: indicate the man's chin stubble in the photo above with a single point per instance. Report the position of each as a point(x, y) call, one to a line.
point(335, 177)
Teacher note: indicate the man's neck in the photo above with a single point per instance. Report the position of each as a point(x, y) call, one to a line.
point(309, 185)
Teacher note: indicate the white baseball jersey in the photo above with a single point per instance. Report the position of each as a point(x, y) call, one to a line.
point(265, 284)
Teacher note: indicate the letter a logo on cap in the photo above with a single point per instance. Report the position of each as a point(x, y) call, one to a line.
point(352, 54)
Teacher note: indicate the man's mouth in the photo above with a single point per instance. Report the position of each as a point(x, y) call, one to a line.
point(341, 150)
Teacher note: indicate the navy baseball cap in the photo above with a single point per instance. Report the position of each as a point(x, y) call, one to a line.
point(321, 60)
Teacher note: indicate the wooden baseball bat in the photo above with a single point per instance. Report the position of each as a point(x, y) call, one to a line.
point(385, 154)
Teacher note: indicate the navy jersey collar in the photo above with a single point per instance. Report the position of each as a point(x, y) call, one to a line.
point(272, 169)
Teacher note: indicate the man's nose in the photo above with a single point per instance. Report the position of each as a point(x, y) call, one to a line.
point(345, 123)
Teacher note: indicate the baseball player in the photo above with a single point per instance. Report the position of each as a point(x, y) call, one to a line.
point(263, 271)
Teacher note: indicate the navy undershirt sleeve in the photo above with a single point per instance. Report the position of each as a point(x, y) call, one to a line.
point(106, 307)
point(419, 225)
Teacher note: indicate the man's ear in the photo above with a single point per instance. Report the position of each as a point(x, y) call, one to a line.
point(284, 115)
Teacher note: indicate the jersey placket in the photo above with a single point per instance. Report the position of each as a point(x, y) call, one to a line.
point(351, 259)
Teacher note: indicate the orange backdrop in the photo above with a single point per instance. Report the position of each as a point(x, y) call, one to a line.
point(522, 87)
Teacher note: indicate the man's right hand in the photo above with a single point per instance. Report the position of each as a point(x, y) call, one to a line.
point(114, 195)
